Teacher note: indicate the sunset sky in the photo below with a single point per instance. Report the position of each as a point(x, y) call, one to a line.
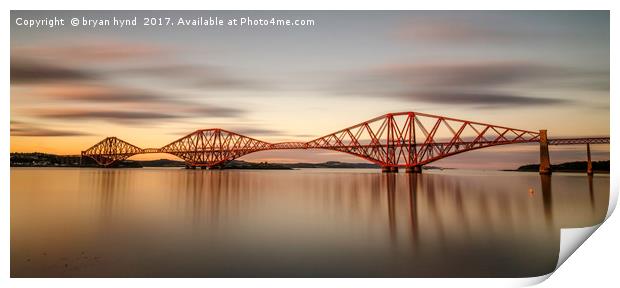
point(73, 86)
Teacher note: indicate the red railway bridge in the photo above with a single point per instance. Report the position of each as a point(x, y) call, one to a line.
point(395, 140)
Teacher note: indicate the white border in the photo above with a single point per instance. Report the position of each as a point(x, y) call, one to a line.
point(595, 263)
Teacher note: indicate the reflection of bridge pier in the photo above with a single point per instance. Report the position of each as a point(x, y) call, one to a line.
point(433, 208)
point(391, 201)
point(413, 208)
point(109, 186)
point(545, 183)
point(591, 190)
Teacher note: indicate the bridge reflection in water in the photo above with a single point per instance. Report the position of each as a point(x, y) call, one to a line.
point(297, 223)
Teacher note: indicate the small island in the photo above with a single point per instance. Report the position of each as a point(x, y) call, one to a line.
point(577, 166)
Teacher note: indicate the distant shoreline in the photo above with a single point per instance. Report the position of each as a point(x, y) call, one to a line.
point(73, 161)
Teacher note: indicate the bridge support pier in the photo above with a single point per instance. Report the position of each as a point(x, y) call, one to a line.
point(388, 169)
point(414, 169)
point(203, 167)
point(589, 170)
point(545, 162)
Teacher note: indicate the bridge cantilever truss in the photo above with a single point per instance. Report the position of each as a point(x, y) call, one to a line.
point(211, 147)
point(406, 139)
point(110, 150)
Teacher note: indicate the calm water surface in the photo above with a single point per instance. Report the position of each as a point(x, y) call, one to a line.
point(298, 223)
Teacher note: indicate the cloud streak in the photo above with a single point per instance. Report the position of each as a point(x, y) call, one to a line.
point(29, 130)
point(102, 61)
point(101, 101)
point(484, 74)
point(136, 116)
point(205, 76)
point(457, 31)
point(97, 94)
point(30, 72)
point(482, 100)
point(479, 84)
point(249, 131)
point(103, 114)
point(92, 50)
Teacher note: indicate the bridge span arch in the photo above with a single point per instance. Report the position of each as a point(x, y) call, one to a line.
point(405, 139)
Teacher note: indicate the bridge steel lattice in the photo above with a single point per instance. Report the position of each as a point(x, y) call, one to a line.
point(406, 139)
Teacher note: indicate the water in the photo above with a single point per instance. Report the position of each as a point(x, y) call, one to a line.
point(300, 223)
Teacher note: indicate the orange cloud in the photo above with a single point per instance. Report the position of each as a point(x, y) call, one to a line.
point(93, 50)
